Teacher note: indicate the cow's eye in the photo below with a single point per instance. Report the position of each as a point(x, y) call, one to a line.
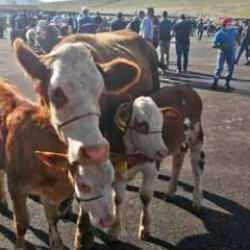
point(58, 98)
point(141, 126)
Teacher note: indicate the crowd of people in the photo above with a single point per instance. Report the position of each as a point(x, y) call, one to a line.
point(227, 34)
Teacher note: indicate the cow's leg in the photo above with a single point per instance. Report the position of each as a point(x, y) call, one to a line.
point(84, 237)
point(55, 241)
point(120, 189)
point(197, 162)
point(149, 176)
point(178, 159)
point(20, 214)
point(3, 199)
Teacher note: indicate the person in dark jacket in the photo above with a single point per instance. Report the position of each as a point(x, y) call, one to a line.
point(182, 30)
point(165, 39)
point(156, 26)
point(244, 43)
point(20, 24)
point(118, 23)
point(135, 24)
point(2, 25)
point(200, 29)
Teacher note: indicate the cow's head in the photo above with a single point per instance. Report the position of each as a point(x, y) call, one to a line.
point(142, 122)
point(71, 84)
point(92, 185)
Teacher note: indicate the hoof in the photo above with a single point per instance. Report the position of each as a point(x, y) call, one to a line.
point(171, 192)
point(144, 235)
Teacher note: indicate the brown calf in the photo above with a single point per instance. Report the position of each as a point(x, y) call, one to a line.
point(24, 129)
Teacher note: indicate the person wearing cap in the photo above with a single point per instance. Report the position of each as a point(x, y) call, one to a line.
point(147, 26)
point(225, 41)
point(244, 43)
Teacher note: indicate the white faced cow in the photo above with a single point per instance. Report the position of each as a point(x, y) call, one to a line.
point(142, 123)
point(180, 111)
point(71, 85)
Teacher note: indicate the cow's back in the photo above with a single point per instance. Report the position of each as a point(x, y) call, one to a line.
point(185, 100)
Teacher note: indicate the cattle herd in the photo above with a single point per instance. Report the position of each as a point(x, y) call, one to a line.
point(99, 120)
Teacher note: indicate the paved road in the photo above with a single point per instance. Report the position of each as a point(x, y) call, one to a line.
point(224, 223)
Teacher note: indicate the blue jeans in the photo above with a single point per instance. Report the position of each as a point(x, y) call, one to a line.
point(227, 56)
point(243, 46)
point(182, 50)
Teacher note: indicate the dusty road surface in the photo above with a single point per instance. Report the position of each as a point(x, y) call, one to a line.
point(224, 223)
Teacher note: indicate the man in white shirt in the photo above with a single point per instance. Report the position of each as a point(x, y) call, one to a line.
point(147, 26)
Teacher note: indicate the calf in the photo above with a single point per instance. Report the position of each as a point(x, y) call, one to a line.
point(182, 130)
point(25, 128)
point(142, 123)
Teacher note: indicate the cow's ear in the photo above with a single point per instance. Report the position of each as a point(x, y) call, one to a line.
point(123, 115)
point(120, 75)
point(51, 159)
point(171, 114)
point(30, 61)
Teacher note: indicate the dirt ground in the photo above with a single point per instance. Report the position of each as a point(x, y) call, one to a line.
point(224, 223)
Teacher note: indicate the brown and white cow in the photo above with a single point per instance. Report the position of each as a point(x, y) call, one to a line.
point(73, 77)
point(76, 79)
point(26, 131)
point(182, 109)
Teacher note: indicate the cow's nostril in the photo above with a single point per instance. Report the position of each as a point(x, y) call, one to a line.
point(98, 153)
point(162, 153)
point(107, 222)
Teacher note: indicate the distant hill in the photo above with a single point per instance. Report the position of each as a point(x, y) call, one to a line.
point(21, 2)
point(237, 8)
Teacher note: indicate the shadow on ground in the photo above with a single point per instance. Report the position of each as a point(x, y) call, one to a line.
point(43, 236)
point(226, 231)
point(200, 81)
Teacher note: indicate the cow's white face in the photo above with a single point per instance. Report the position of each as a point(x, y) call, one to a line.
point(74, 90)
point(93, 190)
point(144, 132)
point(71, 83)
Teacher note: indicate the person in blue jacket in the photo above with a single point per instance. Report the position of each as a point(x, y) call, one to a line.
point(225, 41)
